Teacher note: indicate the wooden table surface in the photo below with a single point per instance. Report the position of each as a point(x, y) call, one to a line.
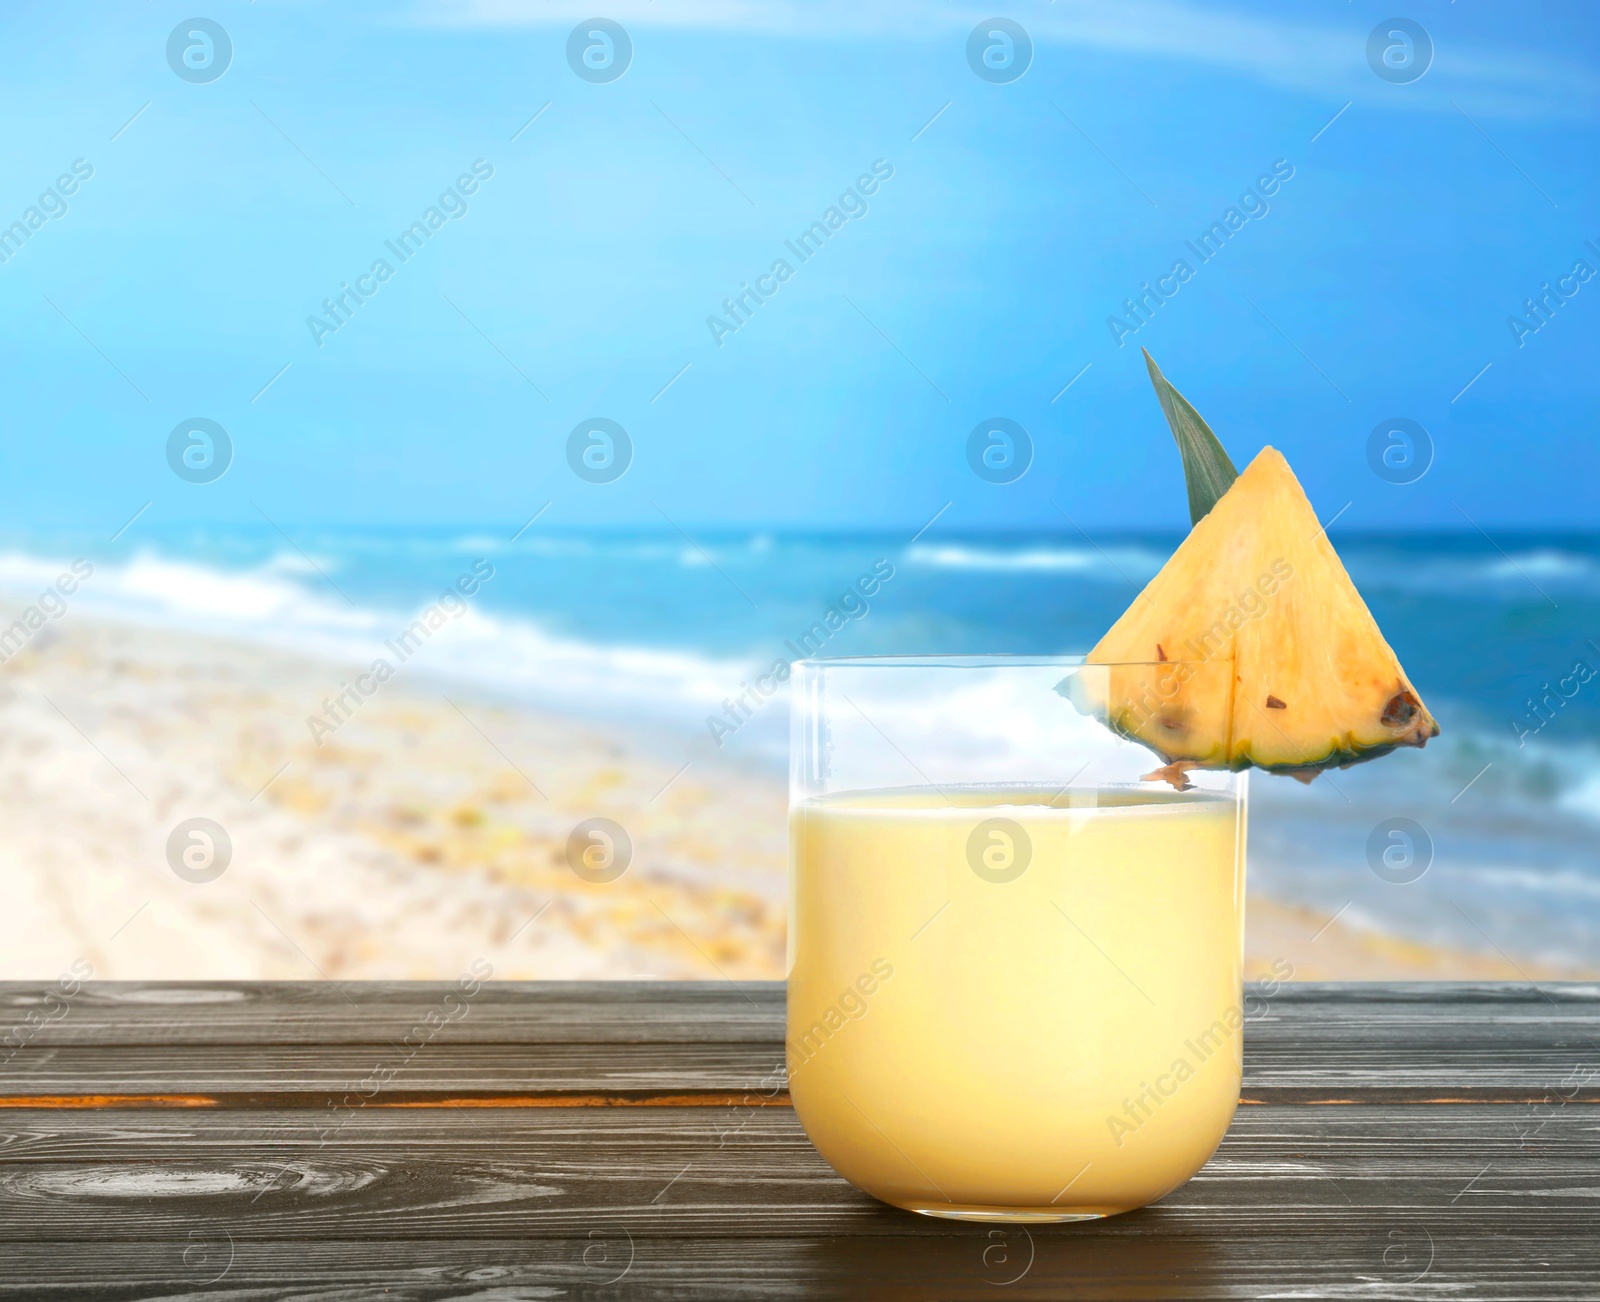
point(634, 1140)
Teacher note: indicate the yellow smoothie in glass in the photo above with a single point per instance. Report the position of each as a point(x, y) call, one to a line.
point(1012, 1002)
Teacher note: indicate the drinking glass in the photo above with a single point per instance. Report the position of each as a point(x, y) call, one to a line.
point(1015, 932)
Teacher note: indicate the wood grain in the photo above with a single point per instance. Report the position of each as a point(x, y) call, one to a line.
point(631, 1141)
point(1339, 1199)
point(563, 1012)
point(299, 1044)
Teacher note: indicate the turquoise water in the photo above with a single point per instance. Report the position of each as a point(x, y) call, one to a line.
point(657, 630)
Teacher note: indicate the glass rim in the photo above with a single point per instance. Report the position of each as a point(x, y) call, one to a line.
point(988, 661)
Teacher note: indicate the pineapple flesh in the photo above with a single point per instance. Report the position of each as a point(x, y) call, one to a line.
point(1257, 587)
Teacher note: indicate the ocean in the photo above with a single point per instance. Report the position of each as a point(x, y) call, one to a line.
point(657, 630)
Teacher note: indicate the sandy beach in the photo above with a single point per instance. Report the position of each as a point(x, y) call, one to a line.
point(428, 833)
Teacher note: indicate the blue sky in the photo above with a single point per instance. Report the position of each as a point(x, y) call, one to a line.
point(977, 284)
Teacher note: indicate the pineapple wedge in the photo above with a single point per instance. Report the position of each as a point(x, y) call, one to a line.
point(1311, 683)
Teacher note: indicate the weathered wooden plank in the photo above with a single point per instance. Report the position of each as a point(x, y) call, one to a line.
point(256, 1046)
point(587, 1012)
point(373, 1012)
point(685, 1171)
point(1141, 1256)
point(1144, 1255)
point(1383, 1199)
point(300, 1076)
point(1300, 1201)
point(276, 1074)
point(1441, 1039)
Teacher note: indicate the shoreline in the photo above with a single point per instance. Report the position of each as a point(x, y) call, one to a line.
point(428, 833)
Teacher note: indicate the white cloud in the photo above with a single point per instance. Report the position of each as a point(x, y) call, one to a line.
point(1310, 58)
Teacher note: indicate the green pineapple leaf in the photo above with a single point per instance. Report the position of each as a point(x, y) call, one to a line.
point(1206, 468)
